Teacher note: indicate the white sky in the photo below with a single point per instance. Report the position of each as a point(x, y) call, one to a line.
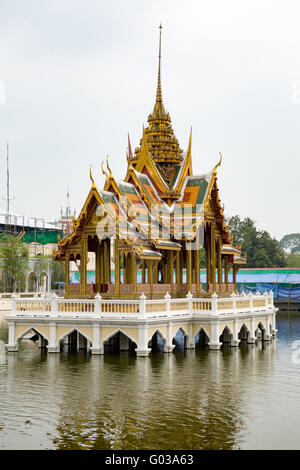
point(79, 74)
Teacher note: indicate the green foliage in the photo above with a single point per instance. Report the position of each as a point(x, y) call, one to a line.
point(291, 243)
point(14, 263)
point(262, 250)
point(202, 257)
point(293, 260)
point(58, 273)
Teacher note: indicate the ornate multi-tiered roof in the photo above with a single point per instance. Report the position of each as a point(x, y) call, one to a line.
point(161, 141)
point(151, 218)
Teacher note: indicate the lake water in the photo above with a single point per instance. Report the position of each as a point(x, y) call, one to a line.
point(243, 398)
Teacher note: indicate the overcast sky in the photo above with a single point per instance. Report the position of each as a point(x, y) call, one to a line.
point(77, 75)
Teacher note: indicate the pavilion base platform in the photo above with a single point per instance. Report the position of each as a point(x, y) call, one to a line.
point(93, 324)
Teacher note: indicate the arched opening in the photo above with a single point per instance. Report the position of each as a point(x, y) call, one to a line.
point(226, 337)
point(157, 342)
point(32, 282)
point(32, 335)
point(260, 332)
point(74, 341)
point(201, 339)
point(118, 343)
point(244, 333)
point(44, 282)
point(180, 339)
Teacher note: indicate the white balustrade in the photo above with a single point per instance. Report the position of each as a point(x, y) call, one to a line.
point(52, 305)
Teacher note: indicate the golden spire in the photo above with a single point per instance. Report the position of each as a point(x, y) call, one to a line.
point(158, 138)
point(158, 91)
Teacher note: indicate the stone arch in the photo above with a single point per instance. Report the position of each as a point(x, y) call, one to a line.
point(116, 331)
point(184, 333)
point(70, 334)
point(161, 330)
point(43, 338)
point(44, 281)
point(226, 336)
point(260, 331)
point(32, 282)
point(154, 342)
point(120, 340)
point(244, 333)
point(201, 337)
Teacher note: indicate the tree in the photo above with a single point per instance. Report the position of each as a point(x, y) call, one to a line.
point(262, 250)
point(293, 260)
point(14, 263)
point(291, 243)
point(58, 274)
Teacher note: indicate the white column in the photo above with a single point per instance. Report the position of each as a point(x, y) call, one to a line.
point(274, 331)
point(168, 346)
point(190, 343)
point(235, 339)
point(12, 345)
point(52, 346)
point(268, 335)
point(142, 349)
point(214, 342)
point(97, 347)
point(252, 337)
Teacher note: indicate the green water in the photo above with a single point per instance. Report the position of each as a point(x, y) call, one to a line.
point(244, 398)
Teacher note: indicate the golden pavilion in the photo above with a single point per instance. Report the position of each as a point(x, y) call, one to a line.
point(146, 232)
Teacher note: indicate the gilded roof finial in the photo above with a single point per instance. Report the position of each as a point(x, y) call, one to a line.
point(107, 165)
point(144, 146)
point(103, 171)
point(129, 147)
point(158, 92)
point(91, 178)
point(219, 163)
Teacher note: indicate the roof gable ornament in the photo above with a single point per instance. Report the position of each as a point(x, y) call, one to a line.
point(218, 164)
point(91, 178)
point(104, 172)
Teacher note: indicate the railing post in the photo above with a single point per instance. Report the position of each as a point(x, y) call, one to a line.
point(13, 303)
point(54, 303)
point(168, 303)
point(189, 296)
point(272, 298)
point(266, 298)
point(142, 307)
point(214, 304)
point(233, 296)
point(97, 303)
point(250, 295)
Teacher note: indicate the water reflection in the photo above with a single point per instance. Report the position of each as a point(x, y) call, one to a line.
point(190, 399)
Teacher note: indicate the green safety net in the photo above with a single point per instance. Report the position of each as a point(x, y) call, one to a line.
point(41, 237)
